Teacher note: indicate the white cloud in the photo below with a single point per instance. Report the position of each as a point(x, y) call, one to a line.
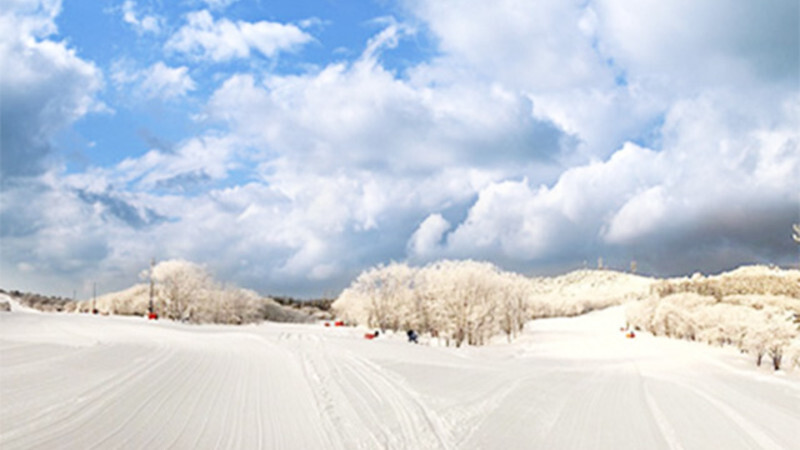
point(427, 239)
point(606, 71)
point(361, 117)
point(219, 4)
point(539, 45)
point(197, 160)
point(713, 184)
point(641, 216)
point(166, 82)
point(141, 23)
point(45, 86)
point(158, 81)
point(221, 40)
point(548, 51)
point(708, 43)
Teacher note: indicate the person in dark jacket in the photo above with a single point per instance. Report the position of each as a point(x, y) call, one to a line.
point(412, 336)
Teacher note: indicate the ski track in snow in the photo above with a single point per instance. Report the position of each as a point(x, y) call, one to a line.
point(88, 382)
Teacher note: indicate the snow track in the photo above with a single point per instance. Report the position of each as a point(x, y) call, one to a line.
point(74, 381)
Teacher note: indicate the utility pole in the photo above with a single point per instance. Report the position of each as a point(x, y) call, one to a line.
point(152, 263)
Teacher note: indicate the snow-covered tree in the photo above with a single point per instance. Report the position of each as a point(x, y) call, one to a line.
point(514, 309)
point(457, 300)
point(750, 308)
point(183, 286)
point(468, 302)
point(781, 333)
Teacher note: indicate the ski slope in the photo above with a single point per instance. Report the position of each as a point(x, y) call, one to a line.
point(81, 381)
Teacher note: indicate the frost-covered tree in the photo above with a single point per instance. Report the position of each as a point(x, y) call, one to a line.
point(781, 333)
point(187, 292)
point(749, 308)
point(792, 353)
point(459, 301)
point(469, 302)
point(514, 309)
point(380, 297)
point(229, 305)
point(183, 286)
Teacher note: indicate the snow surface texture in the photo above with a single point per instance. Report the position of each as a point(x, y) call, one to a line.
point(84, 381)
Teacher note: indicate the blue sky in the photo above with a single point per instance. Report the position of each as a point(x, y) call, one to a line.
point(289, 145)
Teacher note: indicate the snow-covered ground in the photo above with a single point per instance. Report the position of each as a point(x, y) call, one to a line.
point(82, 381)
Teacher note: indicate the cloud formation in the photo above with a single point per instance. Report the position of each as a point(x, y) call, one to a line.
point(158, 81)
point(221, 40)
point(537, 135)
point(45, 87)
point(141, 23)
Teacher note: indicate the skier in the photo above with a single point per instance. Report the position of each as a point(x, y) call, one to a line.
point(412, 336)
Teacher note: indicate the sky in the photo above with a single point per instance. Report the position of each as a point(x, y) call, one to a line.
point(289, 145)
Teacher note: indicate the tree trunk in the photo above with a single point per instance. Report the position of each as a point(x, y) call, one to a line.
point(776, 361)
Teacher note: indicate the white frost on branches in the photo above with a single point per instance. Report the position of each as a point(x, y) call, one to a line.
point(184, 291)
point(751, 308)
point(469, 302)
point(460, 301)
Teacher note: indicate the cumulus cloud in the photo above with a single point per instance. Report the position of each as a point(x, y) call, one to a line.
point(45, 86)
point(427, 239)
point(702, 43)
point(197, 160)
point(141, 23)
point(51, 251)
point(158, 81)
point(712, 185)
point(540, 45)
point(221, 40)
point(219, 4)
point(547, 50)
point(607, 71)
point(620, 74)
point(361, 116)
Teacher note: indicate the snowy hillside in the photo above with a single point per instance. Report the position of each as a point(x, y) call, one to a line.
point(76, 381)
point(586, 290)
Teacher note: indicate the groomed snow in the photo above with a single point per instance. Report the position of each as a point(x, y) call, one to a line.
point(82, 381)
